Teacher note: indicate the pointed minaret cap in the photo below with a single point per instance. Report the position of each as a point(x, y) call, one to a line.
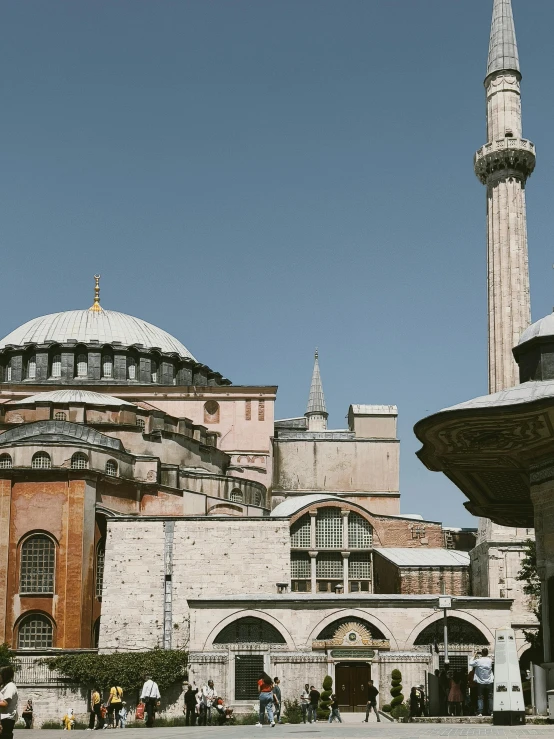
point(503, 45)
point(316, 412)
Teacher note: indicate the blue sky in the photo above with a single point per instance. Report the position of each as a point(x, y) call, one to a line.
point(260, 178)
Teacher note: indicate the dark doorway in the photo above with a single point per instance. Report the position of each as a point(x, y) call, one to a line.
point(351, 683)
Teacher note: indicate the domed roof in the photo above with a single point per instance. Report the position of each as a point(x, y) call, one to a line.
point(104, 326)
point(73, 396)
point(543, 327)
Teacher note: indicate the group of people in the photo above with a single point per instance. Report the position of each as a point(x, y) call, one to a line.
point(202, 703)
point(471, 694)
point(270, 699)
point(109, 715)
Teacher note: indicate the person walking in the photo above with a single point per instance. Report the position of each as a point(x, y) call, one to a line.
point(8, 701)
point(305, 701)
point(484, 679)
point(265, 689)
point(314, 702)
point(335, 712)
point(207, 698)
point(27, 714)
point(114, 705)
point(150, 696)
point(372, 694)
point(190, 705)
point(277, 699)
point(95, 711)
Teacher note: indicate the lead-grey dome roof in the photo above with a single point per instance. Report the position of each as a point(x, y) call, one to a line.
point(104, 326)
point(73, 395)
point(543, 327)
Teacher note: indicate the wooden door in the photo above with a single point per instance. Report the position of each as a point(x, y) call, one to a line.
point(351, 685)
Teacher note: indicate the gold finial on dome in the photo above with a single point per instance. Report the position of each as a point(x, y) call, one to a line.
point(96, 307)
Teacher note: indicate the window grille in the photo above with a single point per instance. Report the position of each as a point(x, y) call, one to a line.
point(100, 559)
point(236, 496)
point(359, 567)
point(131, 369)
point(9, 371)
point(257, 498)
point(459, 632)
point(329, 565)
point(153, 370)
point(300, 532)
point(300, 566)
point(56, 365)
point(249, 630)
point(141, 423)
point(111, 468)
point(328, 529)
point(359, 532)
point(5, 462)
point(456, 662)
point(32, 368)
point(79, 461)
point(261, 410)
point(37, 565)
point(41, 461)
point(248, 410)
point(60, 416)
point(247, 670)
point(418, 532)
point(35, 632)
point(82, 365)
point(107, 366)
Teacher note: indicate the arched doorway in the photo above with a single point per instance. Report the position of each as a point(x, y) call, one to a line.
point(463, 640)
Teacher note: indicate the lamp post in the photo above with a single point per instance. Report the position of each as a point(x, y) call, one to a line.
point(445, 602)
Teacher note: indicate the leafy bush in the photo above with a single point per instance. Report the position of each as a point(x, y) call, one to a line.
point(325, 698)
point(51, 724)
point(400, 712)
point(292, 713)
point(396, 689)
point(386, 708)
point(7, 656)
point(247, 719)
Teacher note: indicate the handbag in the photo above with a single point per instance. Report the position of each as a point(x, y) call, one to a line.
point(139, 713)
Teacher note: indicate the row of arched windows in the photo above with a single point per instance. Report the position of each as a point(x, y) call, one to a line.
point(237, 496)
point(81, 368)
point(43, 461)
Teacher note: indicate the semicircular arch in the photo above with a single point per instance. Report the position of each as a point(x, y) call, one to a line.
point(249, 613)
point(353, 614)
point(438, 617)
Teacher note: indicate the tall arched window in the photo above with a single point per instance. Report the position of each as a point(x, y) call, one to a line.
point(38, 561)
point(35, 631)
point(100, 559)
point(131, 368)
point(32, 367)
point(5, 462)
point(300, 532)
point(79, 461)
point(56, 367)
point(154, 369)
point(359, 532)
point(107, 365)
point(236, 496)
point(41, 461)
point(82, 365)
point(328, 529)
point(211, 411)
point(111, 468)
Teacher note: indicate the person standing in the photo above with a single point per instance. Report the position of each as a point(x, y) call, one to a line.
point(150, 696)
point(95, 711)
point(372, 694)
point(335, 712)
point(455, 697)
point(190, 705)
point(114, 705)
point(484, 679)
point(27, 714)
point(415, 703)
point(277, 699)
point(265, 689)
point(8, 701)
point(305, 701)
point(314, 702)
point(207, 698)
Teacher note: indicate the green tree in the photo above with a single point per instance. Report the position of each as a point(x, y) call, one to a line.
point(529, 575)
point(325, 697)
point(6, 656)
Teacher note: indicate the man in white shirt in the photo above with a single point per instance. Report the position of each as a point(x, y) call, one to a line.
point(484, 679)
point(305, 701)
point(207, 698)
point(8, 702)
point(150, 696)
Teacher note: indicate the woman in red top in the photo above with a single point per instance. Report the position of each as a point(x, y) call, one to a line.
point(265, 688)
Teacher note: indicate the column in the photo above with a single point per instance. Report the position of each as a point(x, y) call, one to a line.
point(345, 556)
point(313, 515)
point(313, 572)
point(345, 542)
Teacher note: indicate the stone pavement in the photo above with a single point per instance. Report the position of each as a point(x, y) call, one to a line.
point(318, 731)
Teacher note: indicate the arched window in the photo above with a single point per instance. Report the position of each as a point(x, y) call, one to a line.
point(37, 565)
point(9, 371)
point(300, 532)
point(328, 529)
point(141, 423)
point(357, 624)
point(460, 632)
point(35, 631)
point(5, 462)
point(82, 365)
point(111, 468)
point(257, 498)
point(100, 559)
point(359, 532)
point(154, 369)
point(107, 365)
point(211, 411)
point(79, 461)
point(41, 461)
point(236, 496)
point(60, 416)
point(249, 630)
point(131, 368)
point(56, 367)
point(32, 367)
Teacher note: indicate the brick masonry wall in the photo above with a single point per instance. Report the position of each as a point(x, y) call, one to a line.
point(427, 580)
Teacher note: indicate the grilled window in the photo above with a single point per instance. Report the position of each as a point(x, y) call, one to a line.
point(111, 468)
point(329, 565)
point(35, 632)
point(79, 461)
point(82, 365)
point(141, 423)
point(249, 630)
point(100, 558)
point(257, 498)
point(107, 365)
point(236, 496)
point(359, 532)
point(32, 368)
point(300, 567)
point(5, 462)
point(60, 416)
point(247, 670)
point(359, 567)
point(300, 532)
point(37, 565)
point(56, 370)
point(131, 368)
point(328, 529)
point(460, 632)
point(41, 461)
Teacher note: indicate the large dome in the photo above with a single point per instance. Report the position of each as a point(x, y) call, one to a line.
point(104, 326)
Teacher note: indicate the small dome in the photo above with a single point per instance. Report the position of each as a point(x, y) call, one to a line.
point(104, 326)
point(73, 396)
point(542, 327)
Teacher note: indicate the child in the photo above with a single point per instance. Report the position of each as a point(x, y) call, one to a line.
point(123, 715)
point(68, 720)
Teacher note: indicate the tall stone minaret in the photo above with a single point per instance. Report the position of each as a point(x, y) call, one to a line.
point(316, 412)
point(503, 165)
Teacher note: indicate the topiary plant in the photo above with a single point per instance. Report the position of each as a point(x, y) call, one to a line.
point(396, 689)
point(325, 697)
point(386, 708)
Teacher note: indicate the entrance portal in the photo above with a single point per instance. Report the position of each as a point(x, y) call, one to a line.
point(351, 685)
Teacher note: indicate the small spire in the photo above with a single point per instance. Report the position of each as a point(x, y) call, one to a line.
point(96, 307)
point(503, 53)
point(316, 401)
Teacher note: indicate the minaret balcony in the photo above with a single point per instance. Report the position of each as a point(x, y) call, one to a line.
point(505, 157)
